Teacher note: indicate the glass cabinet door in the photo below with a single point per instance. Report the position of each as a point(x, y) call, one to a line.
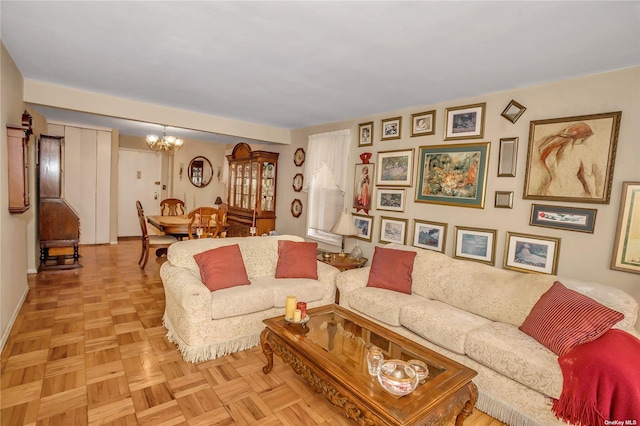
point(254, 184)
point(232, 187)
point(246, 183)
point(268, 186)
point(238, 202)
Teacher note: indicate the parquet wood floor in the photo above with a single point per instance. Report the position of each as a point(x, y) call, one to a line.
point(88, 348)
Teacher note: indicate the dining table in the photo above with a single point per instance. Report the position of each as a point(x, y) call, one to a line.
point(171, 225)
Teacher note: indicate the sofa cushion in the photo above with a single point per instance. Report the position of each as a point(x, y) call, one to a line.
point(440, 323)
point(391, 269)
point(304, 289)
point(222, 268)
point(507, 350)
point(381, 304)
point(564, 318)
point(243, 300)
point(297, 260)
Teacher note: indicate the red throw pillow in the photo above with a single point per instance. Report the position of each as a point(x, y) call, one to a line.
point(563, 318)
point(391, 269)
point(222, 267)
point(297, 260)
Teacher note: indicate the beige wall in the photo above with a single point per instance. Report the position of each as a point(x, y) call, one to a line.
point(13, 228)
point(582, 255)
point(182, 188)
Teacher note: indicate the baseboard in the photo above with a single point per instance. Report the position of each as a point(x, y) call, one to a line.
point(5, 335)
point(32, 271)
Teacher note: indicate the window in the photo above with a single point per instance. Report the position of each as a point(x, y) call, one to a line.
point(326, 163)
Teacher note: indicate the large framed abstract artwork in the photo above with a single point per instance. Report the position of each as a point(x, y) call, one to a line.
point(572, 158)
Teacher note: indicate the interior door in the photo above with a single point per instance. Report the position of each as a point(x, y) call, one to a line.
point(138, 172)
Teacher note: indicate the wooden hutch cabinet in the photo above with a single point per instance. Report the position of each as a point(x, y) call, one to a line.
point(17, 163)
point(58, 222)
point(252, 191)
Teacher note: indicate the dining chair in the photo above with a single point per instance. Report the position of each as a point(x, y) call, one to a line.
point(224, 227)
point(172, 207)
point(158, 242)
point(205, 222)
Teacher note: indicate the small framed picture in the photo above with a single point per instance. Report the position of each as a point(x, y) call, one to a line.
point(513, 111)
point(464, 122)
point(626, 248)
point(393, 230)
point(507, 157)
point(298, 180)
point(430, 235)
point(504, 200)
point(296, 208)
point(390, 199)
point(423, 123)
point(364, 225)
point(362, 186)
point(391, 128)
point(395, 168)
point(568, 218)
point(365, 132)
point(475, 244)
point(531, 253)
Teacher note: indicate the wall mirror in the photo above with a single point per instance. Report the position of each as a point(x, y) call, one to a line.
point(200, 172)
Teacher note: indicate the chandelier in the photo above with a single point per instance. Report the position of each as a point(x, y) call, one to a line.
point(165, 143)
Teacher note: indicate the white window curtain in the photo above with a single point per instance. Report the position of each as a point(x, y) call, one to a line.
point(326, 165)
point(332, 150)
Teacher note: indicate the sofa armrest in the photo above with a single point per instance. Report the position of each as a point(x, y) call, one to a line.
point(185, 289)
point(327, 276)
point(351, 280)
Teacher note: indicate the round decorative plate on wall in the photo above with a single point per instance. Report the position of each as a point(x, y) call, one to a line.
point(298, 179)
point(298, 157)
point(296, 208)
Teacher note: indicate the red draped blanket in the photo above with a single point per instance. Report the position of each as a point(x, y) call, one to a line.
point(601, 382)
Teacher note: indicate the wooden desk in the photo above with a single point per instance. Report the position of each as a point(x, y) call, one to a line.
point(171, 225)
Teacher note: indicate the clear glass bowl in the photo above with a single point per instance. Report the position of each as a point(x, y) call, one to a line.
point(397, 377)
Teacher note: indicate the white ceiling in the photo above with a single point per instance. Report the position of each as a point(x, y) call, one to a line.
point(296, 64)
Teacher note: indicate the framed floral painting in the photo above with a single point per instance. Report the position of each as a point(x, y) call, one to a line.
point(395, 168)
point(455, 175)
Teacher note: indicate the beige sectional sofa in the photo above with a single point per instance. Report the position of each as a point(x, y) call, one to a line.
point(471, 312)
point(208, 324)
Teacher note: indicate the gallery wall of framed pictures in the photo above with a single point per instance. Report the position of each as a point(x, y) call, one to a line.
point(423, 170)
point(433, 161)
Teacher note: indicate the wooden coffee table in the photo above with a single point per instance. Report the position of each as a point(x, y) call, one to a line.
point(329, 352)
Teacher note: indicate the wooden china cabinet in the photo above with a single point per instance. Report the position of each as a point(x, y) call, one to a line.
point(252, 191)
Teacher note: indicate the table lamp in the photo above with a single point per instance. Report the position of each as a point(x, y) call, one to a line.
point(218, 201)
point(346, 227)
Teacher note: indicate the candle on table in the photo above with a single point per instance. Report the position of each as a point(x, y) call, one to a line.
point(302, 306)
point(297, 315)
point(290, 306)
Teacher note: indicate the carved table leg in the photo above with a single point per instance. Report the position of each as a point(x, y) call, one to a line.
point(267, 351)
point(467, 410)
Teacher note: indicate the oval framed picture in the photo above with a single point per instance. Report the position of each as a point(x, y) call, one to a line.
point(298, 180)
point(296, 208)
